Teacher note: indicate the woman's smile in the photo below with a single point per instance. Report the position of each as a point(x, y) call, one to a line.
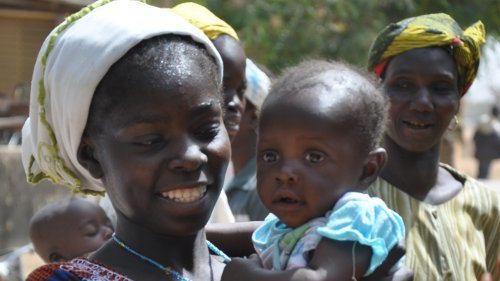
point(185, 195)
point(417, 129)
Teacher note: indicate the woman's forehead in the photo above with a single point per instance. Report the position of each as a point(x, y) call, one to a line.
point(430, 61)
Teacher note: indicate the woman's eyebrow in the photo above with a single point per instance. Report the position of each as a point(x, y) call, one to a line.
point(143, 119)
point(210, 106)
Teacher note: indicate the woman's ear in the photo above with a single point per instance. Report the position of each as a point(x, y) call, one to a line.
point(86, 156)
point(375, 162)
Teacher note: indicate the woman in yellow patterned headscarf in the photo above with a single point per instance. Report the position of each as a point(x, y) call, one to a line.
point(452, 221)
point(205, 20)
point(433, 30)
point(227, 44)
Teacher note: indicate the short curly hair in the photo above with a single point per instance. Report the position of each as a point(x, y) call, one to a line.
point(366, 104)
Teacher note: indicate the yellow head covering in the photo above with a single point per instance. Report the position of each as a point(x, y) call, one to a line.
point(205, 20)
point(429, 31)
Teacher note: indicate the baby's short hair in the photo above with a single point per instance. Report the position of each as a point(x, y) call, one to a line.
point(366, 101)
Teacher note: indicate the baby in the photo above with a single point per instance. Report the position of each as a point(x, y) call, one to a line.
point(318, 149)
point(68, 229)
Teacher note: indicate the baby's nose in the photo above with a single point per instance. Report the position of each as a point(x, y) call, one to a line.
point(287, 174)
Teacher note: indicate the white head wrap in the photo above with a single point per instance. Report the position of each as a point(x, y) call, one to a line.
point(258, 84)
point(71, 63)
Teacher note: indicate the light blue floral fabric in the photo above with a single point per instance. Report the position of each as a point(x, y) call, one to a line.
point(355, 217)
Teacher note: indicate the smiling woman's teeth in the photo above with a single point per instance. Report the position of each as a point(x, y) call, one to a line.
point(417, 125)
point(185, 195)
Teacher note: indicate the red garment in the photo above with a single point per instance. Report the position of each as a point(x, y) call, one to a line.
point(82, 268)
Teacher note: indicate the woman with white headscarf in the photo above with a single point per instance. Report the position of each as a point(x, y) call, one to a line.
point(126, 100)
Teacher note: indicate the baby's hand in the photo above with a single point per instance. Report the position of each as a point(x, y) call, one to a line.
point(241, 269)
point(256, 259)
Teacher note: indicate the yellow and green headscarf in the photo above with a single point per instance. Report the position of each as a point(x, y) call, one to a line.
point(204, 20)
point(433, 30)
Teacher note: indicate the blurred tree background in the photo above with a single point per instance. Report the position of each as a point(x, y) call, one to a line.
point(279, 33)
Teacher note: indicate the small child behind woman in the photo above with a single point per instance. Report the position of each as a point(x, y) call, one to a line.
point(68, 229)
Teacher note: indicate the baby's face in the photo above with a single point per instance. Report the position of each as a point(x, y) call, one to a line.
point(307, 158)
point(82, 230)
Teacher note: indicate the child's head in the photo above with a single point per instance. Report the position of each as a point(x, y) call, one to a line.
point(319, 137)
point(68, 229)
point(234, 83)
point(126, 99)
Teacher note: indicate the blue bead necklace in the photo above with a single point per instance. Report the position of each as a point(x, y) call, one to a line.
point(167, 269)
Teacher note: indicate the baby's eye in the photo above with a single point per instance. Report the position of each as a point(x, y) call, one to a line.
point(90, 230)
point(314, 157)
point(270, 156)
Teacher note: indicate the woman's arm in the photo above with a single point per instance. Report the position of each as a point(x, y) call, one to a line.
point(234, 239)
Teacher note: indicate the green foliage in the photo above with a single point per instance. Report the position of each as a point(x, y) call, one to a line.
point(280, 33)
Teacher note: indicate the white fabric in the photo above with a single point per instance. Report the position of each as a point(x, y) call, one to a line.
point(81, 56)
point(258, 84)
point(222, 212)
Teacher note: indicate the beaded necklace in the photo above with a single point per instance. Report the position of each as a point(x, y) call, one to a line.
point(167, 269)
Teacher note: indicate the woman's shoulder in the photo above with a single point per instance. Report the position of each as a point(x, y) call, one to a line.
point(479, 198)
point(472, 187)
point(48, 271)
point(75, 269)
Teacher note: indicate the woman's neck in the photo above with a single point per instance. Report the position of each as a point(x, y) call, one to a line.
point(415, 173)
point(187, 252)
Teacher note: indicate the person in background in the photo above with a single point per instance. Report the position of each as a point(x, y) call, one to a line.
point(228, 45)
point(68, 229)
point(487, 142)
point(426, 65)
point(241, 190)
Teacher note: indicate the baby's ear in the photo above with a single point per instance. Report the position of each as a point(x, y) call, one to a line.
point(373, 166)
point(55, 257)
point(86, 156)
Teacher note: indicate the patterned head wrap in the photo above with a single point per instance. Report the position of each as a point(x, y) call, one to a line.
point(433, 30)
point(205, 20)
point(72, 61)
